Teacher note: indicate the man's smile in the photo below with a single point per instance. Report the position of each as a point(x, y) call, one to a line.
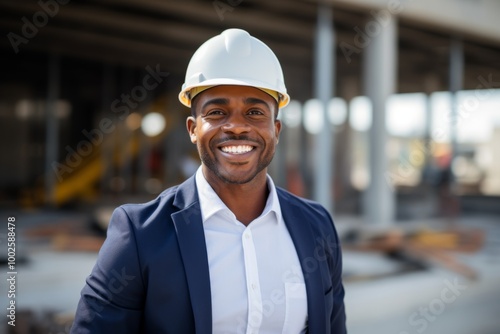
point(233, 147)
point(237, 149)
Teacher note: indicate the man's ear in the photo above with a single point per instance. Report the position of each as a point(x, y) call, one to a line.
point(191, 128)
point(277, 129)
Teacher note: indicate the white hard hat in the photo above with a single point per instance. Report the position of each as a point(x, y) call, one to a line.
point(234, 58)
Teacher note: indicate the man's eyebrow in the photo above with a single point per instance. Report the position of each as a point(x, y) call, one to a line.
point(216, 101)
point(254, 100)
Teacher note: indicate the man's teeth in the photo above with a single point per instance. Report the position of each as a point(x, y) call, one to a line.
point(240, 149)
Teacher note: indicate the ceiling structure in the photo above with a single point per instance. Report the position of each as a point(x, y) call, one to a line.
point(139, 33)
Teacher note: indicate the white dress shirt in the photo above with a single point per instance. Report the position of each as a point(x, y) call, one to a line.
point(255, 275)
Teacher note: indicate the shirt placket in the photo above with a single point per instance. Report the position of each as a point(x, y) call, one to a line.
point(253, 283)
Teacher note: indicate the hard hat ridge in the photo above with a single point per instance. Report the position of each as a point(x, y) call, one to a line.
point(237, 42)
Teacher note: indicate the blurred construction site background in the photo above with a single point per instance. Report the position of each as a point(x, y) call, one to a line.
point(394, 126)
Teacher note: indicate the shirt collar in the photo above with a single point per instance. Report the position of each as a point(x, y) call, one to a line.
point(210, 203)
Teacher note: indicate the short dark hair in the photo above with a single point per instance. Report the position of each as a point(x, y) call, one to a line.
point(193, 106)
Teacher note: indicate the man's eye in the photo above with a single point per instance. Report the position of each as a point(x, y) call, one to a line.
point(255, 112)
point(214, 113)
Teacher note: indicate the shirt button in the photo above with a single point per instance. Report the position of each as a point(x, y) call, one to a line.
point(247, 236)
point(254, 286)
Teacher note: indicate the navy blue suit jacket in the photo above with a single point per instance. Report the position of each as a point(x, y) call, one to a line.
point(152, 275)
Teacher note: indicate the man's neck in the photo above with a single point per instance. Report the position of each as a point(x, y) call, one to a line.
point(246, 201)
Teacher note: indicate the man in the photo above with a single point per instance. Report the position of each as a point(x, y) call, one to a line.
point(226, 251)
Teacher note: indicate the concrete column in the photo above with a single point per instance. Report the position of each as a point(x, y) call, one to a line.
point(344, 146)
point(380, 67)
point(291, 136)
point(52, 134)
point(431, 85)
point(324, 86)
point(456, 83)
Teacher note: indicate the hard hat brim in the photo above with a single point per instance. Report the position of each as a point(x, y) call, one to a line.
point(185, 99)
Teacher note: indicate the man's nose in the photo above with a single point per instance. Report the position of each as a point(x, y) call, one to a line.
point(236, 124)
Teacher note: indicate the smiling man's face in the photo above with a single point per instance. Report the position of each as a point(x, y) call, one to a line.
point(235, 131)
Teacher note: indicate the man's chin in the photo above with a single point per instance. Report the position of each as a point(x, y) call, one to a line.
point(237, 178)
point(235, 173)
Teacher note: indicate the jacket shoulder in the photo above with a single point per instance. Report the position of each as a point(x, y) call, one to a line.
point(308, 205)
point(312, 212)
point(137, 212)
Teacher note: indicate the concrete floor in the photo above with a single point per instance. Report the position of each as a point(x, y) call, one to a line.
point(417, 302)
point(423, 302)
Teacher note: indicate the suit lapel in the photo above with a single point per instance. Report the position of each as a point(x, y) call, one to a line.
point(303, 239)
point(191, 237)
